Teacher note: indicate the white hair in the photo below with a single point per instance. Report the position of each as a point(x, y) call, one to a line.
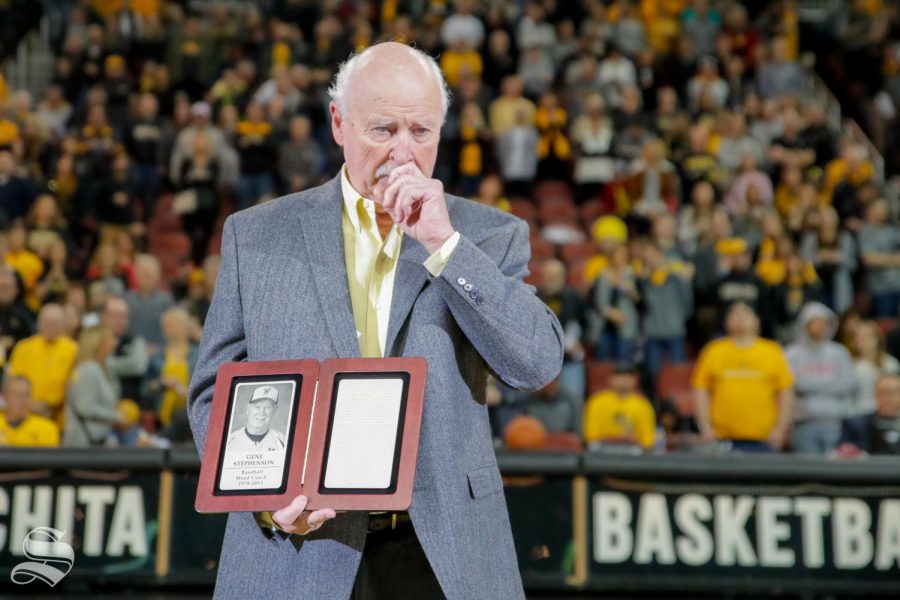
point(338, 88)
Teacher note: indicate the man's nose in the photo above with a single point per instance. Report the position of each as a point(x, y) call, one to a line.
point(401, 151)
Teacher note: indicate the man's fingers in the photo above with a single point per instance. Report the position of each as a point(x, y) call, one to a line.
point(290, 513)
point(318, 517)
point(409, 168)
point(389, 198)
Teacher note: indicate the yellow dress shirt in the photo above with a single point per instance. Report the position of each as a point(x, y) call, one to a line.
point(371, 266)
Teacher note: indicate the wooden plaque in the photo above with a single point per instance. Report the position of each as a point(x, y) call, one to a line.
point(343, 432)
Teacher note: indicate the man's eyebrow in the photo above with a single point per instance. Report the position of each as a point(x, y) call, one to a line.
point(380, 121)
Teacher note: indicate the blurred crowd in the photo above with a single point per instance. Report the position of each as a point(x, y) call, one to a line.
point(723, 260)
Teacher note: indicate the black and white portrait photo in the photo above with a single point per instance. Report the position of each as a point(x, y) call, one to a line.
point(256, 447)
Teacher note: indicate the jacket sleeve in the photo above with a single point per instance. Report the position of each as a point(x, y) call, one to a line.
point(223, 337)
point(515, 333)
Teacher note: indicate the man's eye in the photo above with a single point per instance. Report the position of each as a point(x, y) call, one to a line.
point(382, 130)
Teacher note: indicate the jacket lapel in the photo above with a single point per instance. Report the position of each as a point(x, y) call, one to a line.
point(409, 279)
point(320, 223)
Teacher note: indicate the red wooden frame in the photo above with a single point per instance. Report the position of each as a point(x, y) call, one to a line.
point(207, 501)
point(310, 433)
point(401, 497)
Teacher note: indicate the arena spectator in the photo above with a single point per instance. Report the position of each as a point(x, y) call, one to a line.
point(870, 363)
point(593, 136)
point(16, 192)
point(667, 301)
point(256, 146)
point(147, 303)
point(19, 426)
point(556, 408)
point(779, 75)
point(145, 140)
point(300, 158)
point(26, 263)
point(620, 414)
point(116, 201)
point(832, 253)
point(569, 308)
point(91, 400)
point(615, 299)
point(511, 109)
point(879, 247)
point(197, 200)
point(16, 321)
point(824, 381)
point(46, 360)
point(879, 432)
point(702, 24)
point(743, 386)
point(200, 293)
point(128, 361)
point(164, 388)
point(53, 111)
point(517, 155)
point(737, 281)
point(201, 113)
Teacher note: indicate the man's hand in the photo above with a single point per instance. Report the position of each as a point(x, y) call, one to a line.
point(294, 519)
point(417, 204)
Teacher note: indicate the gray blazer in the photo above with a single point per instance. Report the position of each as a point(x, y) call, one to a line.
point(282, 294)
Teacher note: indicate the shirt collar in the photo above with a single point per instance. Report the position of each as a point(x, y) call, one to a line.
point(351, 196)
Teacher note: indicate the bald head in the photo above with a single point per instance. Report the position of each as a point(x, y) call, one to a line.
point(553, 277)
point(51, 321)
point(385, 66)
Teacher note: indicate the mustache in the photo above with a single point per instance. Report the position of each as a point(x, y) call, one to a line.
point(385, 169)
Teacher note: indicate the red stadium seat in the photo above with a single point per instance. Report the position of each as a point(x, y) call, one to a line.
point(598, 375)
point(558, 212)
point(541, 249)
point(524, 209)
point(552, 189)
point(578, 251)
point(674, 378)
point(563, 441)
point(590, 211)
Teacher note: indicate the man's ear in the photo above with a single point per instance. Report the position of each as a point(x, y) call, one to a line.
point(337, 124)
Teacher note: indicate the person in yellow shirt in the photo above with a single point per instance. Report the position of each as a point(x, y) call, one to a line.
point(26, 263)
point(743, 386)
point(166, 382)
point(620, 414)
point(458, 60)
point(18, 426)
point(46, 360)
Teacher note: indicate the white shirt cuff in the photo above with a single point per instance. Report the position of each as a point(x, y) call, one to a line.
point(437, 261)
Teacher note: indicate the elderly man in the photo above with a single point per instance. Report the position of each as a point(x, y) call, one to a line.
point(379, 261)
point(19, 427)
point(128, 363)
point(147, 303)
point(46, 360)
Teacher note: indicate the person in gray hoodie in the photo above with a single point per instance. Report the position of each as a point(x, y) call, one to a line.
point(824, 381)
